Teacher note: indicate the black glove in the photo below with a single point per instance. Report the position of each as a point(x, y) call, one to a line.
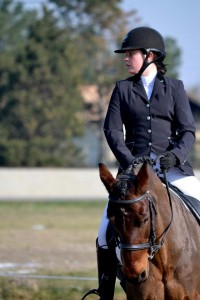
point(168, 160)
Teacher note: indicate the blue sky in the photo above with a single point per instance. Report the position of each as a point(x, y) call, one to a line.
point(179, 19)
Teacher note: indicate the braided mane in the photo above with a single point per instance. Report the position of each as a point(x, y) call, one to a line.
point(141, 160)
point(126, 182)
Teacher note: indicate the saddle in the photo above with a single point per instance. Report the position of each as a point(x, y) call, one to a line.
point(192, 203)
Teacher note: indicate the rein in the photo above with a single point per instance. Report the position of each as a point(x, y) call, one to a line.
point(152, 245)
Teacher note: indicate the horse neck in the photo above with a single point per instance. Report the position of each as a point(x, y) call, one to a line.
point(164, 212)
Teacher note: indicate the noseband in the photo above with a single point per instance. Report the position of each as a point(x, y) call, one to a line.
point(151, 245)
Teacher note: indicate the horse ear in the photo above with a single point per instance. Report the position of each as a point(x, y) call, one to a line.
point(106, 177)
point(142, 178)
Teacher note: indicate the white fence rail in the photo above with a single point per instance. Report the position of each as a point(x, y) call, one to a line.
point(52, 184)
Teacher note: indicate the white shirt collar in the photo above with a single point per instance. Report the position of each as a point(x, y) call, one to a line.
point(147, 80)
point(148, 83)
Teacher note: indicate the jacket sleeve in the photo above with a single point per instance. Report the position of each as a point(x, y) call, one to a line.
point(113, 129)
point(185, 124)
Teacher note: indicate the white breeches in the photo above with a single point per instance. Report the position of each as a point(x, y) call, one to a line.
point(189, 185)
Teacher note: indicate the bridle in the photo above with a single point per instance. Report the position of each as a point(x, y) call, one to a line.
point(152, 245)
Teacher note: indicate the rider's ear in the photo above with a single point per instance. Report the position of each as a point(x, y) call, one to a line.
point(106, 177)
point(142, 178)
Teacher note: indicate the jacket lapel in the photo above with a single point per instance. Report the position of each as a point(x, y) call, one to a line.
point(159, 87)
point(138, 88)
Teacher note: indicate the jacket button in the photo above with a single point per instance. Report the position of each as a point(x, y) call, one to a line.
point(147, 105)
point(149, 144)
point(148, 118)
point(149, 130)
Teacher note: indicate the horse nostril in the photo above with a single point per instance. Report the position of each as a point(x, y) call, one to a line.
point(142, 276)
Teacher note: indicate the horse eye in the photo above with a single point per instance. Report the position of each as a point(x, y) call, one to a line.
point(145, 220)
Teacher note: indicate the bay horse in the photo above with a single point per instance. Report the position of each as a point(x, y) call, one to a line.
point(159, 238)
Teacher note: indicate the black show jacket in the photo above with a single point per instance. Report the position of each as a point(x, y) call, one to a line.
point(163, 123)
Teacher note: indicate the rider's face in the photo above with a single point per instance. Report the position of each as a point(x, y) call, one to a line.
point(134, 60)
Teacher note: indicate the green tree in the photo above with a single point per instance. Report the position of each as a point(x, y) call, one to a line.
point(173, 58)
point(39, 103)
point(14, 22)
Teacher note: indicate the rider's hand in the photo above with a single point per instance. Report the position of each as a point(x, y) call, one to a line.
point(168, 160)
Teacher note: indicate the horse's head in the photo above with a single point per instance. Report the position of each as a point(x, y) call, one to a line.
point(131, 210)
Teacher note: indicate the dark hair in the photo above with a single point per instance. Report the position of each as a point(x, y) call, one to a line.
point(160, 65)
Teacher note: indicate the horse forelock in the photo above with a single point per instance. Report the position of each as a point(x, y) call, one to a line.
point(123, 186)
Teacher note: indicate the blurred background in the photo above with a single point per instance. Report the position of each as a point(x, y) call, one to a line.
point(57, 72)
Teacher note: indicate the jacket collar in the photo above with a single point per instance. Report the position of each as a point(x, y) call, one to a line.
point(159, 86)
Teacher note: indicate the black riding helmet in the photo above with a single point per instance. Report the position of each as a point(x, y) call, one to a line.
point(147, 40)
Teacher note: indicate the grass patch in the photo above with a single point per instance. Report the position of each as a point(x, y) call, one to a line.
point(48, 290)
point(49, 238)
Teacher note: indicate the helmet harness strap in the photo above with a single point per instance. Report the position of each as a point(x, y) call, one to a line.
point(146, 63)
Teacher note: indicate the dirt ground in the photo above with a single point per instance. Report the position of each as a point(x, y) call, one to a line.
point(44, 250)
point(61, 241)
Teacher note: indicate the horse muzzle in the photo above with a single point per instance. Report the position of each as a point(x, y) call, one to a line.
point(138, 279)
point(136, 271)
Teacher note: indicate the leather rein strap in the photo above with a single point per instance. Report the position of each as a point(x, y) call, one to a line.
point(152, 245)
